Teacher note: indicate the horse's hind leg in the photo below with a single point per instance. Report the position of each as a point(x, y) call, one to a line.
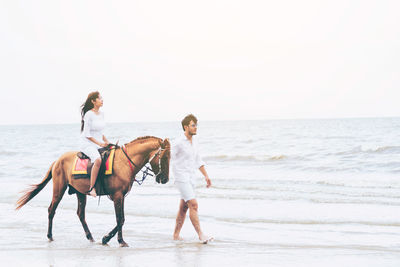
point(81, 214)
point(58, 193)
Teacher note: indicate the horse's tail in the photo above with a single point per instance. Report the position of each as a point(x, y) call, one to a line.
point(34, 189)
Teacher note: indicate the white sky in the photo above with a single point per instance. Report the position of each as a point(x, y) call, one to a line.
point(158, 60)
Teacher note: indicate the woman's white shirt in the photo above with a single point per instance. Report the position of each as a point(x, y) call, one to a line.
point(94, 125)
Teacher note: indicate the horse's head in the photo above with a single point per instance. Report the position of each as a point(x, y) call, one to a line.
point(160, 162)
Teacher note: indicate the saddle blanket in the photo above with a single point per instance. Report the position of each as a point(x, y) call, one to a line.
point(80, 166)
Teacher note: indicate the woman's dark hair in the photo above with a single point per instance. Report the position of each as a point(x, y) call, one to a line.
point(187, 119)
point(88, 105)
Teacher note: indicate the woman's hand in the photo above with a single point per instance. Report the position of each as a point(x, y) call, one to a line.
point(105, 144)
point(105, 140)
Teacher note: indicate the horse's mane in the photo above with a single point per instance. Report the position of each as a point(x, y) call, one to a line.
point(143, 139)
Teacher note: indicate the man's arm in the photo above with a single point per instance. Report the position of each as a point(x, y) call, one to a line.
point(204, 172)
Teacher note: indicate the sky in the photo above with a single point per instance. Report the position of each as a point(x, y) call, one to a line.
point(158, 60)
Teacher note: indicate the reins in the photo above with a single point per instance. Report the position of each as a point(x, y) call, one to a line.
point(147, 170)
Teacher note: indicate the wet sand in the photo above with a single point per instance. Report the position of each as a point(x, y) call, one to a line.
point(25, 243)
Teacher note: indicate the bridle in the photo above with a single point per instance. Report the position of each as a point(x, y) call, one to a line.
point(147, 170)
point(158, 153)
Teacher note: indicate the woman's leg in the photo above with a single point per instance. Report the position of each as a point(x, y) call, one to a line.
point(93, 176)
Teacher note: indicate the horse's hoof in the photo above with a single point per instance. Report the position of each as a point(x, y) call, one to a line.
point(104, 241)
point(123, 245)
point(50, 238)
point(90, 238)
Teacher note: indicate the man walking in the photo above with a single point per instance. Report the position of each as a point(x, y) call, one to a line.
point(186, 160)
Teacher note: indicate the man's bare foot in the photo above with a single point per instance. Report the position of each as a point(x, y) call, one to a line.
point(204, 239)
point(178, 238)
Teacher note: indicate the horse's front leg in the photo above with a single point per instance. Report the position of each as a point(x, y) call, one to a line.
point(119, 213)
point(110, 235)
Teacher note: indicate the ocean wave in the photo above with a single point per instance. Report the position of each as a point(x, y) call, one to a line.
point(377, 150)
point(245, 158)
point(5, 153)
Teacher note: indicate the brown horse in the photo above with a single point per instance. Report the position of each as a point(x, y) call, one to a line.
point(138, 152)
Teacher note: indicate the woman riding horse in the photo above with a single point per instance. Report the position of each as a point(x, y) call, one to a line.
point(128, 161)
point(92, 137)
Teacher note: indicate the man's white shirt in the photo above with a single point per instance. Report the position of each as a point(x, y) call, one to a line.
point(185, 158)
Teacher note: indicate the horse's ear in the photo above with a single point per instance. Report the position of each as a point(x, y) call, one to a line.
point(165, 143)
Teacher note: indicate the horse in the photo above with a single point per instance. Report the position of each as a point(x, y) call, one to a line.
point(128, 161)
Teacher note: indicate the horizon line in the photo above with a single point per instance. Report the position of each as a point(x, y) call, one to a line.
point(221, 120)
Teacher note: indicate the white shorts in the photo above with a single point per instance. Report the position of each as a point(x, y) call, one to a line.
point(186, 189)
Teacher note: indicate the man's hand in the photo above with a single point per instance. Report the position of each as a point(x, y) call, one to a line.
point(208, 182)
point(204, 172)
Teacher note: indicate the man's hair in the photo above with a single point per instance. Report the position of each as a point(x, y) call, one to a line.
point(187, 119)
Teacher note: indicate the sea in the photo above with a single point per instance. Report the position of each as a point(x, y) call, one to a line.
point(317, 192)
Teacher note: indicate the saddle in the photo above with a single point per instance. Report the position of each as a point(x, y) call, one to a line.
point(82, 167)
